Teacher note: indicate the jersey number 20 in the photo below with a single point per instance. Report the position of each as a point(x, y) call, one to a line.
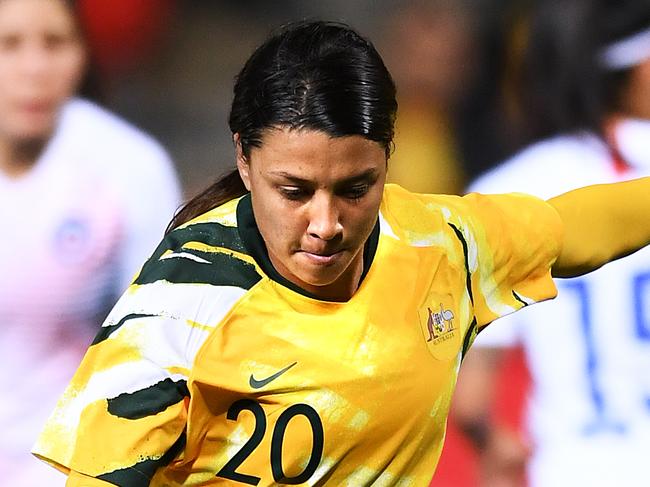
point(229, 470)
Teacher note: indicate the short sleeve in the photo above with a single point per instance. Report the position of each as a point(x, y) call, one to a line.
point(513, 240)
point(123, 414)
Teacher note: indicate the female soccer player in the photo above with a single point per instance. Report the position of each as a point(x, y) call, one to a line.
point(303, 323)
point(84, 198)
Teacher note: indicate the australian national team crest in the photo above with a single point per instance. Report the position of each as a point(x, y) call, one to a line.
point(441, 328)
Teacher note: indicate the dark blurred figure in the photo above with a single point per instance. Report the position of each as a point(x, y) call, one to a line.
point(430, 47)
point(488, 119)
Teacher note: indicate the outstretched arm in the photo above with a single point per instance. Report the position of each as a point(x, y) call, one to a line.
point(602, 223)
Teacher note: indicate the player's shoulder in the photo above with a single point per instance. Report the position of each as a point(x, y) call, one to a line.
point(88, 125)
point(411, 209)
point(206, 250)
point(94, 141)
point(194, 278)
point(429, 220)
point(421, 219)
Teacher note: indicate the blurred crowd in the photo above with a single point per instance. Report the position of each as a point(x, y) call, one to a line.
point(449, 58)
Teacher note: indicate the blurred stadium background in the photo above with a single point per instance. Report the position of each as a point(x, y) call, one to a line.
point(168, 66)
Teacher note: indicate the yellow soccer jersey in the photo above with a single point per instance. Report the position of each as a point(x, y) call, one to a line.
point(212, 369)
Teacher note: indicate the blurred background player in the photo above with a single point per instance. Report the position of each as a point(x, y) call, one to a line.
point(429, 46)
point(586, 86)
point(84, 197)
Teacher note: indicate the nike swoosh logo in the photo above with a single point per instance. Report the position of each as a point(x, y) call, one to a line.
point(258, 384)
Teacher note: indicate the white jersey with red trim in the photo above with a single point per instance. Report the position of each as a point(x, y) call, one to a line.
point(76, 227)
point(589, 350)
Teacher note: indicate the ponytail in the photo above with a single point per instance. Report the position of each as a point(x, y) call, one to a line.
point(226, 188)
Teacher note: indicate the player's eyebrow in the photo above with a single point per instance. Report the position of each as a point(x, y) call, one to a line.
point(289, 177)
point(367, 175)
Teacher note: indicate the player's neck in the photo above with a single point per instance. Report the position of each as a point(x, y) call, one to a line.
point(344, 287)
point(340, 290)
point(634, 99)
point(18, 157)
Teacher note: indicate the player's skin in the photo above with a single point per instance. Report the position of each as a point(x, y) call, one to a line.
point(42, 60)
point(316, 200)
point(635, 99)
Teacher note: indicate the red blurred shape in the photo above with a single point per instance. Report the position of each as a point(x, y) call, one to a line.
point(123, 33)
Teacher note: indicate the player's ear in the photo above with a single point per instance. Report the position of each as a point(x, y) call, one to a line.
point(242, 163)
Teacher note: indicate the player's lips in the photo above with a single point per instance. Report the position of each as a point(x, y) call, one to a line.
point(322, 257)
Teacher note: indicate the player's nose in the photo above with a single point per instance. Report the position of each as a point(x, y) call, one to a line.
point(324, 218)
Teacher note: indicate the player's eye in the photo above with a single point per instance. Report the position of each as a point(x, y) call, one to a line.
point(56, 41)
point(357, 191)
point(9, 42)
point(292, 193)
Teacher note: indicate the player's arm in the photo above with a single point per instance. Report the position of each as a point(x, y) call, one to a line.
point(501, 451)
point(474, 395)
point(76, 479)
point(602, 223)
point(124, 414)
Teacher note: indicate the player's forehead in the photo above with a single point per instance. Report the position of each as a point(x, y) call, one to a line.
point(317, 157)
point(24, 17)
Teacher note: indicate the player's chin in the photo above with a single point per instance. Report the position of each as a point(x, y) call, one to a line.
point(322, 273)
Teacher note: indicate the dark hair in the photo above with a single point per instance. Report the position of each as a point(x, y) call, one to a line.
point(565, 87)
point(310, 75)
